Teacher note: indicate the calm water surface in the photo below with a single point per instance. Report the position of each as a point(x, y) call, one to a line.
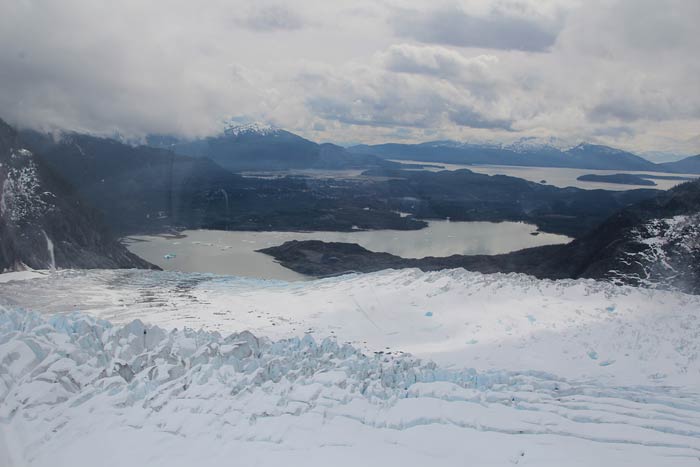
point(560, 177)
point(224, 252)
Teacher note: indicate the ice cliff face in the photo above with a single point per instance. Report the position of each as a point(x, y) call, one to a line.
point(83, 354)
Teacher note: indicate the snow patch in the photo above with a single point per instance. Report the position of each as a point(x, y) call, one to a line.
point(22, 198)
point(21, 275)
point(257, 128)
point(667, 251)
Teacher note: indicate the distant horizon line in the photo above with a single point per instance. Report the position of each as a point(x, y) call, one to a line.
point(502, 143)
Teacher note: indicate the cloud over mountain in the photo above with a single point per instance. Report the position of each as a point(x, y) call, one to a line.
point(359, 71)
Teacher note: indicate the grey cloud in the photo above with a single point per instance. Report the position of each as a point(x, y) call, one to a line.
point(469, 117)
point(636, 59)
point(614, 131)
point(630, 105)
point(496, 30)
point(177, 66)
point(625, 109)
point(478, 76)
point(376, 96)
point(380, 113)
point(97, 67)
point(437, 61)
point(273, 18)
point(654, 30)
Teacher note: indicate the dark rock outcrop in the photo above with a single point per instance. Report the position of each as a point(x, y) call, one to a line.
point(43, 224)
point(655, 243)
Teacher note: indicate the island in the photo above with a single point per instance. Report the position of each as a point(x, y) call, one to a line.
point(630, 179)
point(325, 259)
point(620, 179)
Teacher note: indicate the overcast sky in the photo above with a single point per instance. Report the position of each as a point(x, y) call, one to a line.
point(624, 73)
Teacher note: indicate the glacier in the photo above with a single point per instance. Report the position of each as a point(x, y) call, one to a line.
point(129, 367)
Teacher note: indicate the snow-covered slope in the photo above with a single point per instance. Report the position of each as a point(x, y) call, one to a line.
point(531, 144)
point(667, 254)
point(655, 243)
point(232, 128)
point(526, 372)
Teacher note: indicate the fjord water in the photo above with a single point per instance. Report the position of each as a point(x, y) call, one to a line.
point(561, 177)
point(226, 252)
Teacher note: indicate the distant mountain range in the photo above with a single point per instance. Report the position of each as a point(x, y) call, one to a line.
point(44, 223)
point(59, 197)
point(524, 153)
point(141, 189)
point(259, 147)
point(689, 165)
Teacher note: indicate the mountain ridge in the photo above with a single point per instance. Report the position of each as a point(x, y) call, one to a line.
point(260, 146)
point(581, 156)
point(44, 224)
point(689, 164)
point(256, 147)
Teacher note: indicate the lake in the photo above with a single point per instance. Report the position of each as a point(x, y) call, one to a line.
point(559, 177)
point(227, 252)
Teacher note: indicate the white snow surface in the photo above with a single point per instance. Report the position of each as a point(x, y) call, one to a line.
point(233, 128)
point(532, 143)
point(20, 275)
point(504, 370)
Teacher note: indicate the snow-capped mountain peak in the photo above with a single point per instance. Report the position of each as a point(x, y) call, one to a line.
point(583, 147)
point(524, 144)
point(472, 143)
point(233, 128)
point(530, 143)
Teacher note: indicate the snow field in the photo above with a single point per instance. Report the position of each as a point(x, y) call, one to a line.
point(392, 368)
point(79, 391)
point(583, 329)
